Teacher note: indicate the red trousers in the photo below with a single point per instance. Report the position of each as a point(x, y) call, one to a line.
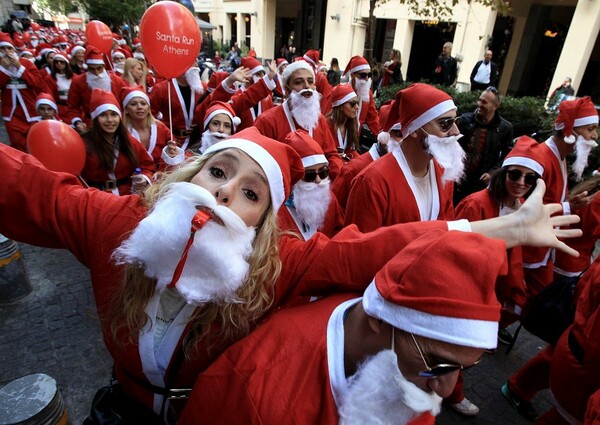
point(533, 376)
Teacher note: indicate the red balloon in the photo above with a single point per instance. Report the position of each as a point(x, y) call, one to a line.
point(57, 146)
point(171, 38)
point(26, 37)
point(99, 35)
point(35, 26)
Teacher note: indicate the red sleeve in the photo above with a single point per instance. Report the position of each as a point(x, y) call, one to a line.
point(266, 126)
point(372, 116)
point(329, 148)
point(75, 99)
point(470, 209)
point(247, 99)
point(33, 77)
point(367, 202)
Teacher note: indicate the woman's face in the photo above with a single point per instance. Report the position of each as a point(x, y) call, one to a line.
point(517, 189)
point(60, 65)
point(79, 55)
point(350, 108)
point(220, 123)
point(237, 182)
point(137, 109)
point(137, 72)
point(109, 121)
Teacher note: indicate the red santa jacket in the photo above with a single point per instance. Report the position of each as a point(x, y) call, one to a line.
point(480, 206)
point(159, 136)
point(277, 123)
point(341, 142)
point(575, 374)
point(80, 94)
point(334, 220)
point(92, 224)
point(325, 89)
point(20, 89)
point(60, 96)
point(367, 113)
point(94, 174)
point(341, 186)
point(381, 196)
point(256, 95)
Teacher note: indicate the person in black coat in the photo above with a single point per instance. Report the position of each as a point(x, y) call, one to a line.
point(485, 73)
point(446, 67)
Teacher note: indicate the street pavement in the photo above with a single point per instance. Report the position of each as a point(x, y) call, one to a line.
point(55, 330)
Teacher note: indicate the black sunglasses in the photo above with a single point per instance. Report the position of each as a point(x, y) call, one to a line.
point(438, 370)
point(364, 75)
point(515, 175)
point(311, 175)
point(353, 103)
point(446, 123)
point(492, 89)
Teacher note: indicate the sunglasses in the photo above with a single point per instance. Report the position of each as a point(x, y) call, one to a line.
point(353, 103)
point(364, 75)
point(515, 175)
point(438, 369)
point(492, 89)
point(311, 175)
point(447, 123)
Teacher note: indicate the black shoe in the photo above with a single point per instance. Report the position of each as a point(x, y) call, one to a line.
point(504, 336)
point(525, 408)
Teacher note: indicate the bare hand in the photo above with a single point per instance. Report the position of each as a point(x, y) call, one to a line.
point(14, 60)
point(581, 200)
point(81, 127)
point(172, 148)
point(241, 74)
point(272, 69)
point(485, 177)
point(138, 183)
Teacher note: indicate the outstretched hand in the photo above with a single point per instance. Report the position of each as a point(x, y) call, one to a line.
point(241, 74)
point(537, 226)
point(272, 69)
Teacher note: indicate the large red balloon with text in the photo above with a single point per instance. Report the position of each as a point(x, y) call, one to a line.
point(99, 35)
point(170, 37)
point(57, 146)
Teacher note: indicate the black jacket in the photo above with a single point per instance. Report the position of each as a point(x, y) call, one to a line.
point(493, 73)
point(445, 71)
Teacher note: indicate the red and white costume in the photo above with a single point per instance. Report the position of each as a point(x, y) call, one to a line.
point(342, 184)
point(334, 221)
point(367, 112)
point(257, 95)
point(159, 136)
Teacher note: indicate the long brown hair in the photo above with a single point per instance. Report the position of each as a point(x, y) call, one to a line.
point(497, 186)
point(220, 324)
point(339, 120)
point(103, 144)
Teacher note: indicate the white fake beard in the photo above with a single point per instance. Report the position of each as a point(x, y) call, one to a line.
point(449, 154)
point(379, 394)
point(256, 79)
point(34, 43)
point(393, 145)
point(363, 89)
point(209, 138)
point(119, 67)
point(101, 81)
point(311, 201)
point(192, 76)
point(306, 111)
point(217, 260)
point(583, 148)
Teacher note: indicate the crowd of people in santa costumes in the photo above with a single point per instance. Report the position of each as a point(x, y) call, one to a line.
point(286, 207)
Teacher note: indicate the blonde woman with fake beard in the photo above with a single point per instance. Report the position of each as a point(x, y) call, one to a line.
point(170, 302)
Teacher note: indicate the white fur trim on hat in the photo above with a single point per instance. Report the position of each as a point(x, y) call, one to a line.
point(453, 330)
point(6, 44)
point(234, 120)
point(293, 67)
point(60, 56)
point(76, 49)
point(362, 67)
point(429, 115)
point(525, 162)
point(592, 119)
point(103, 108)
point(118, 54)
point(94, 62)
point(46, 102)
point(311, 160)
point(344, 99)
point(135, 93)
point(269, 165)
point(257, 68)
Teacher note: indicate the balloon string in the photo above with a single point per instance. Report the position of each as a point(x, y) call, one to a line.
point(83, 182)
point(108, 61)
point(170, 115)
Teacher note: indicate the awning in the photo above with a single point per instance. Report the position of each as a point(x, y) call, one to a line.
point(205, 25)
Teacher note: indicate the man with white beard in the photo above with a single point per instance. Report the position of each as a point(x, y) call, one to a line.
point(359, 73)
point(301, 110)
point(118, 61)
point(312, 206)
point(386, 358)
point(186, 90)
point(80, 92)
point(415, 182)
point(20, 83)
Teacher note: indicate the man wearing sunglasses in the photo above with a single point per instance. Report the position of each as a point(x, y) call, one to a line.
point(487, 139)
point(388, 357)
point(311, 206)
point(359, 74)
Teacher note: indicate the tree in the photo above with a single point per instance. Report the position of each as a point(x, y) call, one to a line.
point(431, 8)
point(111, 12)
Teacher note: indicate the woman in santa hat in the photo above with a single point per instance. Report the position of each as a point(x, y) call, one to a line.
point(134, 73)
point(170, 300)
point(77, 62)
point(343, 121)
point(115, 162)
point(59, 81)
point(139, 122)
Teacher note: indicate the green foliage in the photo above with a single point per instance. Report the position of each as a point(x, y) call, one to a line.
point(443, 9)
point(526, 114)
point(115, 12)
point(59, 6)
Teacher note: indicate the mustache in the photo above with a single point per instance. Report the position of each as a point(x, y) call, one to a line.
point(303, 91)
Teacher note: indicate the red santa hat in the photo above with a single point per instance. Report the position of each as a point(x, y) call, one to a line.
point(312, 57)
point(218, 107)
point(27, 52)
point(128, 93)
point(76, 49)
point(6, 41)
point(136, 42)
point(215, 79)
point(42, 49)
point(281, 62)
point(252, 64)
point(415, 106)
point(309, 150)
point(93, 56)
point(454, 301)
point(526, 154)
point(62, 39)
point(118, 54)
point(280, 163)
point(18, 42)
point(60, 56)
point(139, 56)
point(295, 66)
point(46, 99)
point(102, 101)
point(341, 94)
point(575, 113)
point(357, 63)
